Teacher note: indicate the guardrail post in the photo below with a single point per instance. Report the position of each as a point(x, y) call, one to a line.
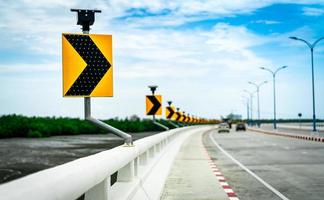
point(143, 158)
point(126, 173)
point(136, 163)
point(163, 143)
point(151, 151)
point(158, 147)
point(99, 191)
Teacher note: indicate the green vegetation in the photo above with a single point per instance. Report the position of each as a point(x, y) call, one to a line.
point(37, 127)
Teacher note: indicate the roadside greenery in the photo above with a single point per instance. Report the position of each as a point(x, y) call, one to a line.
point(37, 127)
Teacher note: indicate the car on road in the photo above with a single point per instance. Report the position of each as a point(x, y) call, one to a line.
point(240, 127)
point(223, 128)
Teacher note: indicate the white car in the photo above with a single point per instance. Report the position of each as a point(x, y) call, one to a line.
point(223, 128)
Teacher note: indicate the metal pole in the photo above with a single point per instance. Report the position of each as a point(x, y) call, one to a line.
point(274, 102)
point(311, 46)
point(247, 110)
point(128, 139)
point(313, 88)
point(153, 91)
point(251, 103)
point(273, 73)
point(161, 125)
point(258, 96)
point(87, 107)
point(87, 115)
point(258, 107)
point(173, 124)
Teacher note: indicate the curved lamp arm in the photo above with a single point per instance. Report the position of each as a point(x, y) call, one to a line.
point(269, 70)
point(302, 40)
point(314, 44)
point(280, 68)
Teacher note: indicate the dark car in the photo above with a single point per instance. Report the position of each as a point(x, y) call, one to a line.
point(240, 127)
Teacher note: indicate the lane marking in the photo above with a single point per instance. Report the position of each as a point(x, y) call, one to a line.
point(218, 174)
point(267, 185)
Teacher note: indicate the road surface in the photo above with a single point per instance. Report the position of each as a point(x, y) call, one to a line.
point(289, 167)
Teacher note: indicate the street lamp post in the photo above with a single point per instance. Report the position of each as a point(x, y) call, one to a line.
point(251, 104)
point(311, 46)
point(273, 73)
point(246, 102)
point(258, 94)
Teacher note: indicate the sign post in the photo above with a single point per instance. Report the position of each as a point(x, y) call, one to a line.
point(87, 68)
point(154, 106)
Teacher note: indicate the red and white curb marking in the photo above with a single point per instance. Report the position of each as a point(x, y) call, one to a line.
point(302, 137)
point(221, 179)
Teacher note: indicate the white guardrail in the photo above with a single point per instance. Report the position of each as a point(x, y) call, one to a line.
point(90, 176)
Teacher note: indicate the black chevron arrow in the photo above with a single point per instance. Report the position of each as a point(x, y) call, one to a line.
point(171, 112)
point(178, 116)
point(97, 65)
point(156, 105)
point(187, 118)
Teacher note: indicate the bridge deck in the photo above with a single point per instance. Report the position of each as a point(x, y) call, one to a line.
point(191, 176)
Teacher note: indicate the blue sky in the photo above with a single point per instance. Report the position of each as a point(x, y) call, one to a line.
point(201, 54)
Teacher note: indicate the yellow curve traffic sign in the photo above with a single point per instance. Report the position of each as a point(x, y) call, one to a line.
point(170, 112)
point(153, 105)
point(87, 65)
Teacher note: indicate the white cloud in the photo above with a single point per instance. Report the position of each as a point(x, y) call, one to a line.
point(309, 11)
point(194, 67)
point(193, 53)
point(37, 25)
point(267, 22)
point(29, 68)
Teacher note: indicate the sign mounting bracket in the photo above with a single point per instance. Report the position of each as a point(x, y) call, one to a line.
point(86, 18)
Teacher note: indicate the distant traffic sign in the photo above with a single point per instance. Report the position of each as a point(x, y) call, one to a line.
point(87, 65)
point(153, 105)
point(170, 112)
point(183, 117)
point(178, 116)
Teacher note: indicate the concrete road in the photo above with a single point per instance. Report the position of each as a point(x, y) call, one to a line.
point(290, 169)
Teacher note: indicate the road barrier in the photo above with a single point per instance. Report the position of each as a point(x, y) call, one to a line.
point(90, 176)
point(302, 137)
